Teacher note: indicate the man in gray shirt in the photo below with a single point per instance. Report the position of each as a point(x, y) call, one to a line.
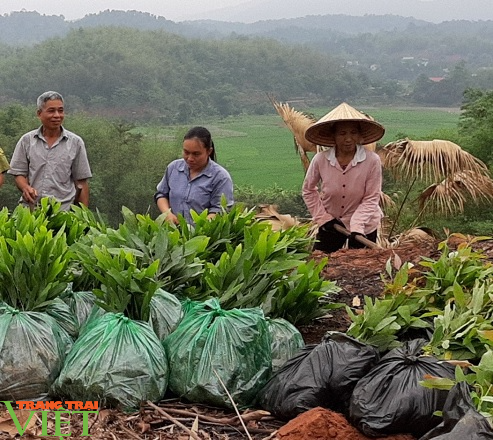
point(51, 161)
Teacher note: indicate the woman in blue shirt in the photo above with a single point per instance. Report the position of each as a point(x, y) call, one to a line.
point(194, 182)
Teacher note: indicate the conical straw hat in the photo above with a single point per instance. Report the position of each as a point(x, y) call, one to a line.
point(321, 133)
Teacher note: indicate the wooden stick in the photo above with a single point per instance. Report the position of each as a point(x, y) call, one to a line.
point(172, 419)
point(233, 403)
point(253, 415)
point(130, 433)
point(360, 238)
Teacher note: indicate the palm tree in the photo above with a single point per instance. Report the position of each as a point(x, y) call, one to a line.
point(461, 176)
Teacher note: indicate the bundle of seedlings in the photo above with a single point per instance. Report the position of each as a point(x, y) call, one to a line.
point(219, 357)
point(118, 359)
point(33, 273)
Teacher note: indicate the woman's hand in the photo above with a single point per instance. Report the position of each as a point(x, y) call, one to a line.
point(170, 217)
point(163, 206)
point(329, 226)
point(353, 240)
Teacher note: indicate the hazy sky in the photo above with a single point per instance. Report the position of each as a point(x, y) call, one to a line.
point(72, 9)
point(254, 10)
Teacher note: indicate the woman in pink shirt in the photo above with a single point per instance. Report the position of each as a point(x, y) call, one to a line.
point(343, 183)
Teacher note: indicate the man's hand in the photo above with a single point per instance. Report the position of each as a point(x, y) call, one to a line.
point(29, 194)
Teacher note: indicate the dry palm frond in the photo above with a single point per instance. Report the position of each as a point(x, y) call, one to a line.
point(410, 237)
point(429, 161)
point(386, 202)
point(297, 122)
point(279, 222)
point(450, 195)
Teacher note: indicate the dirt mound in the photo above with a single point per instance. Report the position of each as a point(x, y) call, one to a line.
point(320, 424)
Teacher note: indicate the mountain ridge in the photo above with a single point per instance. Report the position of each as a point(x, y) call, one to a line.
point(435, 11)
point(28, 27)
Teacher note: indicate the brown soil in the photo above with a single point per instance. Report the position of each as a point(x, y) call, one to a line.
point(323, 424)
point(358, 272)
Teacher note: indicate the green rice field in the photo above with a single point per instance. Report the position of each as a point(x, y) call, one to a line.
point(259, 151)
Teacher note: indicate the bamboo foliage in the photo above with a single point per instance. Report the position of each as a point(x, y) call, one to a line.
point(429, 161)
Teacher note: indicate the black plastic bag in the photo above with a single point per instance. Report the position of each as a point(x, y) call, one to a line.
point(320, 375)
point(390, 400)
point(460, 418)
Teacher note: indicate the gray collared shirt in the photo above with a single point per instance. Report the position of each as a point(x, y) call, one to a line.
point(52, 171)
point(202, 192)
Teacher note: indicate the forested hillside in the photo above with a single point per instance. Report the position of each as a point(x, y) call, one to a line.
point(137, 65)
point(126, 72)
point(367, 40)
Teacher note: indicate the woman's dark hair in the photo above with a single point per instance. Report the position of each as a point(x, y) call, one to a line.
point(204, 136)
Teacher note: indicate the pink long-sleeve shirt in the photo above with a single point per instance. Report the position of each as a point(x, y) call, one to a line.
point(351, 195)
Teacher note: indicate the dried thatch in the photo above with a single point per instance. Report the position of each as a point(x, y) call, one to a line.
point(386, 202)
point(279, 222)
point(429, 161)
point(297, 122)
point(449, 196)
point(413, 236)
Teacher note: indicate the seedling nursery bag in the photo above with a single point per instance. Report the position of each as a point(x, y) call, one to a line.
point(461, 420)
point(214, 352)
point(287, 341)
point(81, 304)
point(165, 313)
point(33, 347)
point(116, 360)
point(390, 400)
point(61, 313)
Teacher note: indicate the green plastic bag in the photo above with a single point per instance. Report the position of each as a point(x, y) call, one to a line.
point(33, 347)
point(287, 341)
point(165, 313)
point(60, 311)
point(81, 304)
point(187, 305)
point(117, 361)
point(213, 349)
